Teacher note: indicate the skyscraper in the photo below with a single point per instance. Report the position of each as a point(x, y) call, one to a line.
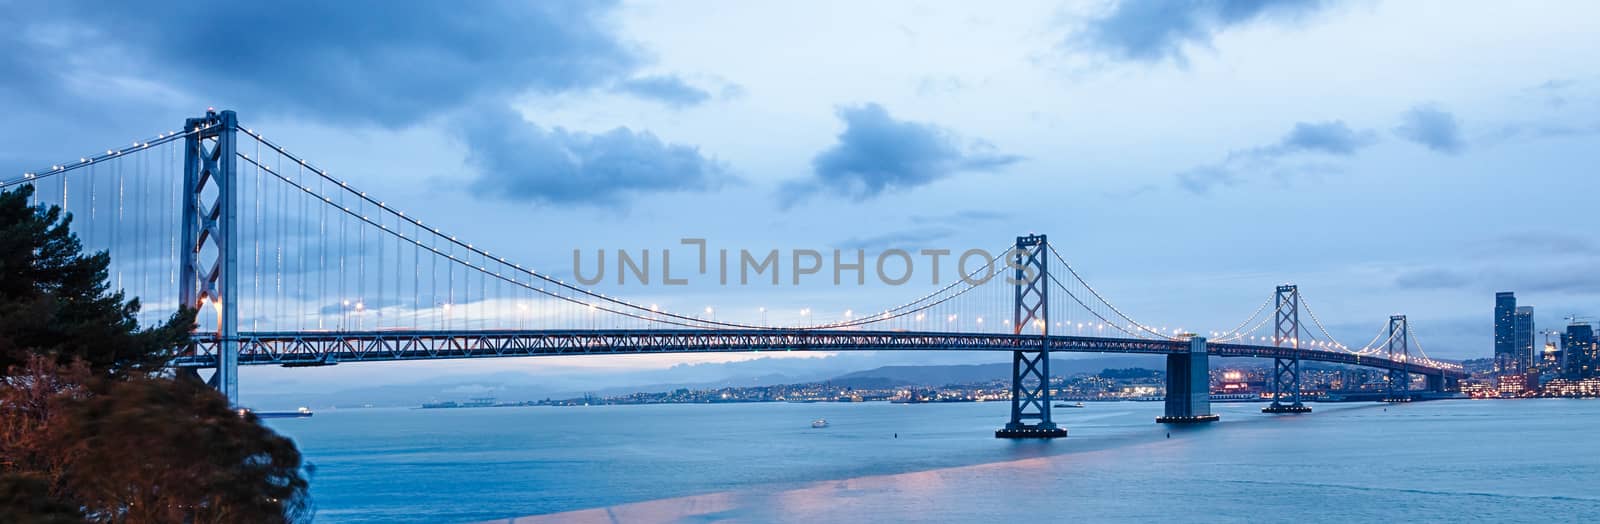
point(1505, 346)
point(1578, 351)
point(1522, 338)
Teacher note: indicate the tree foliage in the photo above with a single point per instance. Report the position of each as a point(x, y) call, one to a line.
point(55, 300)
point(92, 425)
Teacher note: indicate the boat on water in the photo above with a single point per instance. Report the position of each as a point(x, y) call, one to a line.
point(299, 413)
point(819, 423)
point(1065, 405)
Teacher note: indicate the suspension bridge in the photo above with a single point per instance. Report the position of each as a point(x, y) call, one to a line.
point(290, 265)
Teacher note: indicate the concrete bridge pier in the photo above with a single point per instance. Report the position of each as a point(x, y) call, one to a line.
point(1436, 383)
point(1189, 386)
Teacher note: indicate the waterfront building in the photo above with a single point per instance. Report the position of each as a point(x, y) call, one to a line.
point(1522, 338)
point(1505, 346)
point(1578, 351)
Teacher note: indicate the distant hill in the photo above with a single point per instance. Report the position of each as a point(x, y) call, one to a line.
point(889, 376)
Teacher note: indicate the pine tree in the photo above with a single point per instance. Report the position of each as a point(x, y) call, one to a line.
point(55, 300)
point(92, 425)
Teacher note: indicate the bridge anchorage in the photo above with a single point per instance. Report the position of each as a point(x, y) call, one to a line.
point(1189, 385)
point(1030, 368)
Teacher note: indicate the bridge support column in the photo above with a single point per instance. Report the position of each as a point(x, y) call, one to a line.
point(1030, 367)
point(209, 258)
point(1399, 350)
point(1189, 386)
point(1286, 371)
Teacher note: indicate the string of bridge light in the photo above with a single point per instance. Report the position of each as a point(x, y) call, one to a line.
point(699, 322)
point(458, 260)
point(86, 161)
point(1412, 337)
point(1103, 300)
point(1251, 332)
point(693, 322)
point(1373, 346)
point(1318, 322)
point(1235, 334)
point(1097, 314)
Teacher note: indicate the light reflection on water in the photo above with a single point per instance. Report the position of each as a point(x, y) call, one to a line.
point(1501, 460)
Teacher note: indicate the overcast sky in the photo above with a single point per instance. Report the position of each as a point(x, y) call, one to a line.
point(1389, 157)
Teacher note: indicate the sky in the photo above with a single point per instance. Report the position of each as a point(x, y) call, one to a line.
point(1386, 156)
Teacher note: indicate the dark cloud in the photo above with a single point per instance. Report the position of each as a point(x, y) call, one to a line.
point(913, 240)
point(1540, 243)
point(1331, 138)
point(1432, 127)
point(1202, 179)
point(1152, 31)
point(1431, 279)
point(960, 217)
point(1556, 92)
point(1542, 130)
point(385, 63)
point(520, 161)
point(1574, 279)
point(1572, 276)
point(877, 153)
point(667, 89)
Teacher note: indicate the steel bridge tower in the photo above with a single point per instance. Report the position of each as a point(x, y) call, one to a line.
point(1399, 350)
point(1030, 368)
point(209, 258)
point(1286, 371)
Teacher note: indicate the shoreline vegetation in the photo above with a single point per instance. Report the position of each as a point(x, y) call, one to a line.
point(94, 426)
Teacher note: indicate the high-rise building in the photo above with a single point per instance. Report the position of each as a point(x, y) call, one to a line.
point(1505, 346)
point(1522, 334)
point(1578, 351)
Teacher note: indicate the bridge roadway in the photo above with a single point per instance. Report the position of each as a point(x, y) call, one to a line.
point(318, 348)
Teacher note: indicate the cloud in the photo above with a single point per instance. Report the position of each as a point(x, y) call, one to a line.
point(877, 153)
point(1571, 277)
point(521, 161)
point(1431, 279)
point(960, 217)
point(1332, 138)
point(1540, 243)
point(1432, 127)
point(1153, 31)
point(329, 60)
point(1202, 179)
point(667, 89)
point(913, 239)
point(1542, 130)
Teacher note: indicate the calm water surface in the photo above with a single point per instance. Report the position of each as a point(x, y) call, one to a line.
point(1518, 460)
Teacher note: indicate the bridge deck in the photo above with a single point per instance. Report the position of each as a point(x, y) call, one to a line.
point(332, 347)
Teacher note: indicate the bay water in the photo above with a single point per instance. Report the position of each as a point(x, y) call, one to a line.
point(1503, 460)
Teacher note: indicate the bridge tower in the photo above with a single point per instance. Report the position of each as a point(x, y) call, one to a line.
point(1399, 350)
point(1030, 367)
point(1286, 370)
point(209, 261)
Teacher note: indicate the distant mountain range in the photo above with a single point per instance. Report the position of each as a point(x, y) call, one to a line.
point(890, 376)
